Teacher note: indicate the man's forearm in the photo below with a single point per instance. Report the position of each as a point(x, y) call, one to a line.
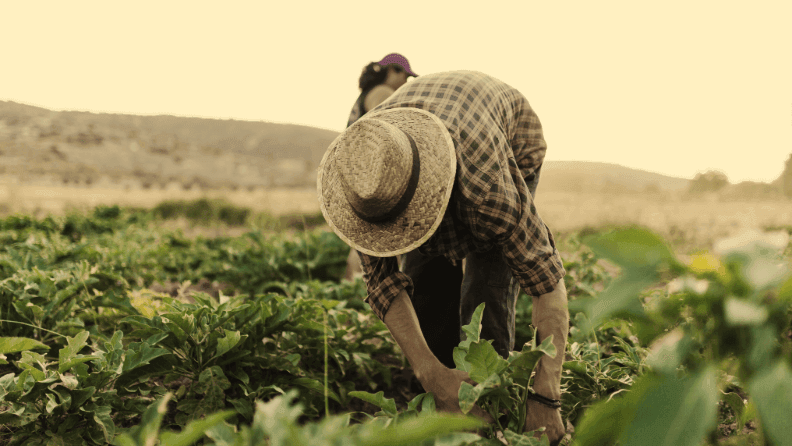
point(403, 324)
point(551, 317)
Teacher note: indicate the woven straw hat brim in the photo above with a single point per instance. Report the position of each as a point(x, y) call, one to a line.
point(423, 215)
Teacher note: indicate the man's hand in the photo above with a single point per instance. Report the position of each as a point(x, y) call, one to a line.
point(444, 383)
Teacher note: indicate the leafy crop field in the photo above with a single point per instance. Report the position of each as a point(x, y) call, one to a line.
point(116, 327)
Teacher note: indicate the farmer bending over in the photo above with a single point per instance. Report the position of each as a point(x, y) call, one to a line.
point(443, 170)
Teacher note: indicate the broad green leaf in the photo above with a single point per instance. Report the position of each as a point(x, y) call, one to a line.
point(222, 434)
point(68, 365)
point(458, 439)
point(674, 412)
point(459, 357)
point(6, 418)
point(64, 397)
point(213, 377)
point(140, 354)
point(771, 389)
point(212, 384)
point(742, 312)
point(51, 404)
point(658, 410)
point(275, 419)
point(785, 291)
point(105, 422)
point(388, 405)
point(316, 386)
point(147, 431)
point(620, 299)
point(413, 404)
point(523, 363)
point(194, 430)
point(737, 405)
point(484, 360)
point(632, 248)
point(667, 353)
point(469, 395)
point(69, 381)
point(228, 342)
point(243, 406)
point(526, 439)
point(14, 345)
point(426, 400)
point(764, 340)
point(428, 405)
point(34, 364)
point(80, 396)
point(69, 356)
point(763, 272)
point(473, 329)
point(418, 429)
point(182, 326)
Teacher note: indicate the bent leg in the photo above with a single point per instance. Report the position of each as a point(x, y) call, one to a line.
point(489, 280)
point(436, 286)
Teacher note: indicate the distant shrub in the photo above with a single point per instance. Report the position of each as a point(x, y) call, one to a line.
point(711, 181)
point(107, 212)
point(203, 210)
point(303, 221)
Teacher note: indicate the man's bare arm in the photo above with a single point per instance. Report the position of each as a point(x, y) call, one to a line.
point(435, 377)
point(550, 317)
point(403, 324)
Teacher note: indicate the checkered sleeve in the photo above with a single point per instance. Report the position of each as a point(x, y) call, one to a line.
point(527, 244)
point(527, 139)
point(531, 253)
point(384, 282)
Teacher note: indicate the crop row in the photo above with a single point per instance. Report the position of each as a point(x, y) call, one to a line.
point(92, 353)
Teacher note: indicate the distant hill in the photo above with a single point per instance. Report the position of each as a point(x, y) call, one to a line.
point(578, 176)
point(82, 146)
point(70, 147)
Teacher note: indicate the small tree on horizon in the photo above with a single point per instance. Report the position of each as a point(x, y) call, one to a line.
point(786, 178)
point(710, 181)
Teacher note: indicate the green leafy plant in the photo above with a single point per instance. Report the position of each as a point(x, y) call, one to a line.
point(730, 314)
point(276, 422)
point(502, 385)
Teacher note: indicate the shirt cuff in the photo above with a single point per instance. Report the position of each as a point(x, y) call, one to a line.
point(543, 278)
point(381, 298)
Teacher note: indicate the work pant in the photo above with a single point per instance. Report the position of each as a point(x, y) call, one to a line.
point(444, 298)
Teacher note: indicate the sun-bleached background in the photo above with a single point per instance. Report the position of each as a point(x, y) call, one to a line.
point(671, 87)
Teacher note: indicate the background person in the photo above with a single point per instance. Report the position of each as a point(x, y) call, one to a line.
point(377, 82)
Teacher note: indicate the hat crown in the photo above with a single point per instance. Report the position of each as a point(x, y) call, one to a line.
point(376, 160)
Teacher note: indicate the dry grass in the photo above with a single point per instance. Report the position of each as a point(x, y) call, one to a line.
point(685, 221)
point(41, 200)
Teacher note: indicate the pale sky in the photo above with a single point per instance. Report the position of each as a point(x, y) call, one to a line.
point(674, 87)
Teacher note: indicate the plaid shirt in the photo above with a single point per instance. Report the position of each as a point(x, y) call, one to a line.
point(500, 147)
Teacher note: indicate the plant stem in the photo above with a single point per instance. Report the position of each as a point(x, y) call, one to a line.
point(32, 326)
point(327, 405)
point(599, 355)
point(495, 414)
point(523, 410)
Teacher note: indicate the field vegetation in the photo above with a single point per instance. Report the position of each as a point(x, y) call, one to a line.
point(118, 325)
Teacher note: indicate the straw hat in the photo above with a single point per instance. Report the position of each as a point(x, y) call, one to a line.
point(384, 183)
